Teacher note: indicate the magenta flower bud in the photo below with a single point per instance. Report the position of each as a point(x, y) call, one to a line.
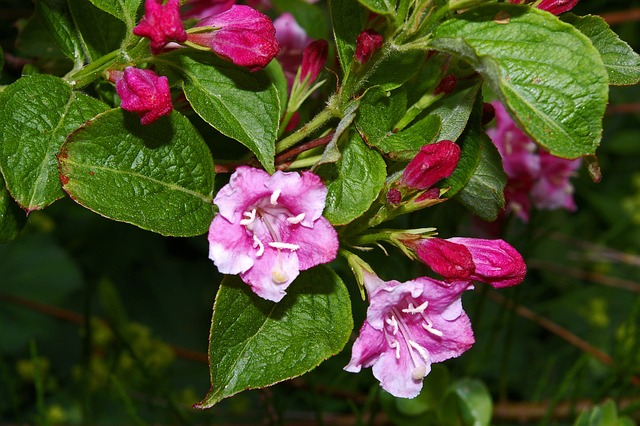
point(241, 35)
point(488, 113)
point(200, 9)
point(394, 196)
point(452, 261)
point(368, 42)
point(496, 261)
point(434, 162)
point(143, 92)
point(557, 6)
point(161, 24)
point(447, 84)
point(313, 59)
point(429, 194)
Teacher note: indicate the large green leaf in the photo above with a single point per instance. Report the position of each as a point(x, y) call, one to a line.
point(12, 218)
point(239, 104)
point(36, 114)
point(546, 72)
point(158, 177)
point(124, 10)
point(57, 18)
point(622, 63)
point(347, 20)
point(395, 67)
point(100, 32)
point(255, 343)
point(467, 402)
point(454, 112)
point(361, 176)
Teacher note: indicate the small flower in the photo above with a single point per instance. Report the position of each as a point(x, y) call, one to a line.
point(368, 42)
point(434, 162)
point(269, 228)
point(496, 261)
point(452, 261)
point(161, 24)
point(144, 92)
point(200, 9)
point(241, 35)
point(313, 58)
point(410, 326)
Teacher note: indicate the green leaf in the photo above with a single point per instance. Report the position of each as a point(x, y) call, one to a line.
point(621, 62)
point(256, 343)
point(395, 68)
point(57, 18)
point(100, 32)
point(347, 20)
point(36, 114)
point(381, 7)
point(12, 217)
point(239, 104)
point(454, 112)
point(468, 402)
point(361, 176)
point(124, 10)
point(554, 83)
point(159, 177)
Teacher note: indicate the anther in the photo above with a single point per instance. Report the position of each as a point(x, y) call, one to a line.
point(294, 220)
point(429, 327)
point(249, 217)
point(257, 243)
point(288, 246)
point(420, 309)
point(274, 197)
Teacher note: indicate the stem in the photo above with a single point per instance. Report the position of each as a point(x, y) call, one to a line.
point(318, 121)
point(304, 162)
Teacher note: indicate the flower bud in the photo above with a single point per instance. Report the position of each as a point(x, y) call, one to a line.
point(446, 86)
point(488, 113)
point(557, 6)
point(394, 196)
point(199, 9)
point(313, 59)
point(143, 92)
point(496, 261)
point(368, 42)
point(434, 162)
point(452, 261)
point(241, 35)
point(161, 24)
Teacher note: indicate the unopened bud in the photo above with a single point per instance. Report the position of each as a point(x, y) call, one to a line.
point(368, 42)
point(313, 59)
point(161, 24)
point(446, 86)
point(394, 196)
point(434, 162)
point(143, 92)
point(488, 113)
point(453, 261)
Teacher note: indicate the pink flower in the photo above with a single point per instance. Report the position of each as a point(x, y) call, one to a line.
point(292, 39)
point(533, 176)
point(313, 59)
point(144, 92)
point(200, 9)
point(452, 261)
point(269, 228)
point(408, 327)
point(241, 35)
point(496, 261)
point(434, 162)
point(368, 42)
point(553, 6)
point(161, 24)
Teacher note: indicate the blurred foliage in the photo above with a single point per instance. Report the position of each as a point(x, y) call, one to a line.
point(103, 323)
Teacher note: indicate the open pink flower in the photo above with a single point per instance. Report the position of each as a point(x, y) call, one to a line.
point(241, 35)
point(161, 24)
point(410, 326)
point(433, 162)
point(144, 92)
point(534, 177)
point(269, 228)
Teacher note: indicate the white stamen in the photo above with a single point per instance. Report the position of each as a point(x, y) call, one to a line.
point(429, 327)
point(420, 309)
point(288, 246)
point(393, 323)
point(396, 346)
point(274, 196)
point(257, 243)
point(249, 217)
point(422, 351)
point(294, 220)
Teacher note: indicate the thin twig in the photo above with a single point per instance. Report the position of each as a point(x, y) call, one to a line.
point(631, 108)
point(285, 159)
point(619, 17)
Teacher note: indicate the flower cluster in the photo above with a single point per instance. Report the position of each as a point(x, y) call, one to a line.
point(535, 177)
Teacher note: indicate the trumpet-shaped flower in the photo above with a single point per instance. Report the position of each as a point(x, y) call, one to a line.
point(144, 92)
point(410, 326)
point(241, 35)
point(161, 24)
point(269, 228)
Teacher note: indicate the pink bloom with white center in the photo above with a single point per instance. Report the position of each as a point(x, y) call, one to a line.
point(534, 177)
point(161, 24)
point(496, 261)
point(269, 228)
point(292, 39)
point(200, 9)
point(144, 92)
point(241, 35)
point(410, 326)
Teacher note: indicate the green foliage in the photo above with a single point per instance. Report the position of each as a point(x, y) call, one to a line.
point(157, 177)
point(560, 101)
point(124, 10)
point(256, 343)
